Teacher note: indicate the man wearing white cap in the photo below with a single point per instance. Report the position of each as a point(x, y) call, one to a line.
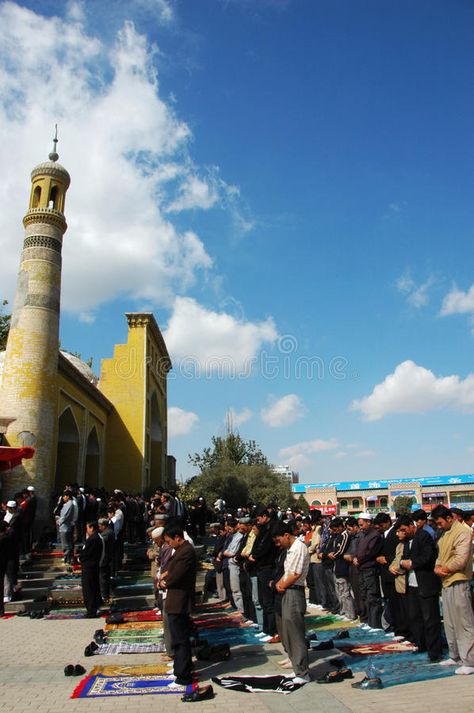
point(368, 548)
point(13, 520)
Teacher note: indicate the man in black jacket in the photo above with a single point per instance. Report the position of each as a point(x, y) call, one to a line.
point(423, 587)
point(367, 550)
point(264, 555)
point(390, 543)
point(106, 534)
point(90, 557)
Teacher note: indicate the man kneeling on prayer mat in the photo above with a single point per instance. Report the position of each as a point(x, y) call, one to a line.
point(293, 602)
point(179, 581)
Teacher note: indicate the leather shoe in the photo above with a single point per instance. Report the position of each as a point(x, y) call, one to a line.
point(206, 693)
point(69, 670)
point(368, 683)
point(342, 634)
point(79, 670)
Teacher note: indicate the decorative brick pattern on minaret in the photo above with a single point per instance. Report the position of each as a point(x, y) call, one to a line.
point(29, 386)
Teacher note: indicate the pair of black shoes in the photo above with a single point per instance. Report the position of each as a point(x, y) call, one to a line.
point(91, 649)
point(76, 670)
point(206, 693)
point(36, 614)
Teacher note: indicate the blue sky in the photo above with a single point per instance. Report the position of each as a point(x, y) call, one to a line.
point(284, 183)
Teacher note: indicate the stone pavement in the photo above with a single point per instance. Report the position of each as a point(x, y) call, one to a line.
point(34, 653)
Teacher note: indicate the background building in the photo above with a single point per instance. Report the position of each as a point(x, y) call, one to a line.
point(378, 495)
point(109, 431)
point(285, 471)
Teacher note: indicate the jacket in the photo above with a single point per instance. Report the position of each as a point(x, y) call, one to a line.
point(389, 547)
point(455, 553)
point(264, 550)
point(368, 548)
point(181, 579)
point(422, 554)
point(91, 553)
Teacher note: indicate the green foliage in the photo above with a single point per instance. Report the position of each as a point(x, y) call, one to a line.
point(301, 504)
point(237, 471)
point(231, 450)
point(4, 326)
point(402, 504)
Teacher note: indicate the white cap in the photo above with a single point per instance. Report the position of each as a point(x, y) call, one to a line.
point(364, 516)
point(11, 504)
point(157, 532)
point(81, 490)
point(31, 488)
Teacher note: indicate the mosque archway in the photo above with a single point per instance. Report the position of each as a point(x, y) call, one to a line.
point(92, 465)
point(156, 441)
point(67, 459)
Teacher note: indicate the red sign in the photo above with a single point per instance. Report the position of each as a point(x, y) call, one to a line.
point(325, 509)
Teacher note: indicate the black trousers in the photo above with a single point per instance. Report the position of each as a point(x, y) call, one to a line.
point(105, 573)
point(266, 597)
point(180, 632)
point(370, 595)
point(393, 602)
point(246, 589)
point(424, 622)
point(91, 588)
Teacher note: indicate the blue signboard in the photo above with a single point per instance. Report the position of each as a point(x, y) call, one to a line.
point(382, 484)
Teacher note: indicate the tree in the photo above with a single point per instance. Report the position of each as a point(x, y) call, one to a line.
point(402, 504)
point(301, 504)
point(237, 471)
point(232, 449)
point(4, 326)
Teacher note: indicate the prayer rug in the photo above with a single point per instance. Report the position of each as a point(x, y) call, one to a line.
point(397, 669)
point(148, 615)
point(327, 623)
point(259, 684)
point(125, 648)
point(143, 669)
point(135, 637)
point(231, 621)
point(66, 614)
point(134, 626)
point(98, 686)
point(374, 649)
point(233, 637)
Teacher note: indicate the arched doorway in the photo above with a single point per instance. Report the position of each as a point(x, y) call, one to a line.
point(156, 442)
point(68, 450)
point(92, 469)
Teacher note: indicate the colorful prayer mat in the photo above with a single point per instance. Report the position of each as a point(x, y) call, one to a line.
point(259, 684)
point(135, 637)
point(125, 648)
point(148, 615)
point(144, 669)
point(134, 626)
point(396, 669)
point(97, 686)
point(374, 649)
point(327, 623)
point(232, 621)
point(66, 614)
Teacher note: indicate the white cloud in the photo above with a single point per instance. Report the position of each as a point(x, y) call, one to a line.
point(340, 454)
point(298, 462)
point(365, 454)
point(458, 302)
point(416, 295)
point(126, 150)
point(180, 422)
point(414, 389)
point(309, 447)
point(240, 417)
point(283, 412)
point(214, 342)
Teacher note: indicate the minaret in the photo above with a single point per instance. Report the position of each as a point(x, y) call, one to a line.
point(29, 391)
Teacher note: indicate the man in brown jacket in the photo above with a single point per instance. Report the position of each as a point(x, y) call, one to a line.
point(454, 567)
point(179, 582)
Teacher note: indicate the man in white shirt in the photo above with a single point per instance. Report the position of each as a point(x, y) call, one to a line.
point(293, 606)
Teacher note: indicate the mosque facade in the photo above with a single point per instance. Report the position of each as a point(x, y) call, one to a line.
point(108, 431)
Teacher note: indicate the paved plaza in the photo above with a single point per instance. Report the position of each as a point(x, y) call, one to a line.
point(34, 653)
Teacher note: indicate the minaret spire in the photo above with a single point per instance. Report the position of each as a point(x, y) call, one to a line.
point(53, 156)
